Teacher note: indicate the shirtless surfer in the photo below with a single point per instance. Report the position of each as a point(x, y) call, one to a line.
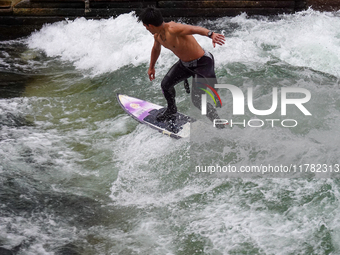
point(193, 60)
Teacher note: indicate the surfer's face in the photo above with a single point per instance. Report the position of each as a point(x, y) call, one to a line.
point(150, 28)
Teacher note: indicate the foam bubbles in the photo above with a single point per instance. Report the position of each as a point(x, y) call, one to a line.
point(307, 39)
point(96, 45)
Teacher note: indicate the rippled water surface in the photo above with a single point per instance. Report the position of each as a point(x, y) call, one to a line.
point(79, 176)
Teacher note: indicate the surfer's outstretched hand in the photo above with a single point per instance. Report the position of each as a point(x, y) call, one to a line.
point(151, 73)
point(217, 38)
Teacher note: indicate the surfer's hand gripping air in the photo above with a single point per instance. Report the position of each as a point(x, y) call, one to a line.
point(217, 38)
point(151, 73)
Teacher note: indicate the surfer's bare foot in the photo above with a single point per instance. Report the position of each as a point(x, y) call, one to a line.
point(168, 114)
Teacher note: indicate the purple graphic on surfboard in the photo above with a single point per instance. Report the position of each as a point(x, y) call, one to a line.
point(137, 107)
point(146, 112)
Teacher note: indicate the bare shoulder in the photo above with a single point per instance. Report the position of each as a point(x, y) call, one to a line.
point(173, 27)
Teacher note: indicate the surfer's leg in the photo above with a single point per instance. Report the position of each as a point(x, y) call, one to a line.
point(205, 74)
point(205, 70)
point(176, 74)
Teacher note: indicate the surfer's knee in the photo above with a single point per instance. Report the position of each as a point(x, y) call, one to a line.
point(165, 84)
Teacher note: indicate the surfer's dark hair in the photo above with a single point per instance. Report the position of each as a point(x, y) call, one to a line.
point(152, 16)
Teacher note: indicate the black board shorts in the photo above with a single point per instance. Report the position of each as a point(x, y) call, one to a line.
point(202, 70)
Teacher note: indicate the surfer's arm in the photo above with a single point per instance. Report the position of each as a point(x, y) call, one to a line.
point(155, 52)
point(183, 29)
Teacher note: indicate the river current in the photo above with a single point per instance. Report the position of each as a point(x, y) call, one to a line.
point(79, 176)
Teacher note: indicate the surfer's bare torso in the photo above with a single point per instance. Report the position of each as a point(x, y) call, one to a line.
point(179, 39)
point(173, 37)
